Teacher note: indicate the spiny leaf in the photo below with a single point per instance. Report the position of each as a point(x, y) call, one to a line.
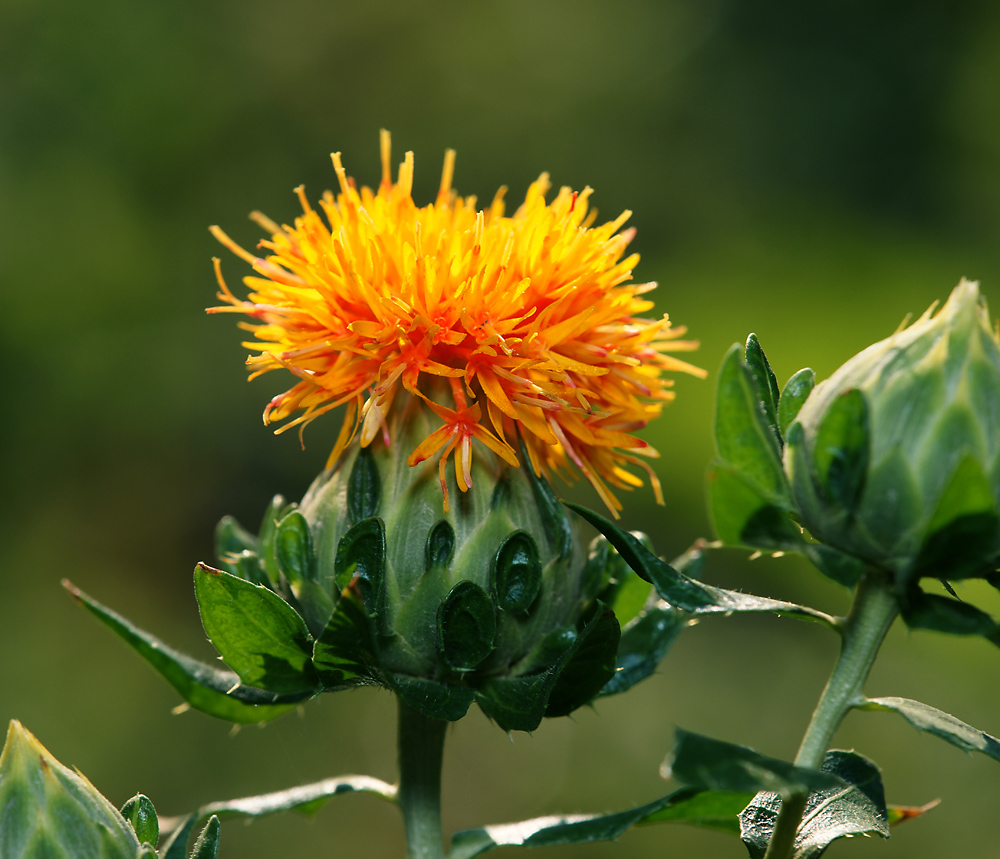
point(854, 807)
point(717, 765)
point(689, 595)
point(923, 717)
point(212, 690)
point(700, 808)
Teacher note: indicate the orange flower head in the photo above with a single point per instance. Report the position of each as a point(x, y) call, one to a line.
point(500, 324)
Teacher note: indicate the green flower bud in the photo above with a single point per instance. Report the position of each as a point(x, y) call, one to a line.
point(491, 599)
point(48, 811)
point(895, 459)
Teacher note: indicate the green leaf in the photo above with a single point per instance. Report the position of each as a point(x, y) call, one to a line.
point(708, 809)
point(238, 551)
point(141, 816)
point(923, 717)
point(207, 845)
point(682, 806)
point(841, 449)
point(842, 568)
point(260, 636)
point(716, 765)
point(265, 540)
point(177, 844)
point(854, 807)
point(437, 700)
point(304, 799)
point(964, 530)
point(212, 690)
point(765, 383)
point(742, 515)
point(293, 548)
point(231, 540)
point(361, 555)
point(744, 435)
point(467, 626)
point(793, 395)
point(616, 583)
point(517, 703)
point(590, 667)
point(685, 593)
point(364, 487)
point(555, 522)
point(941, 614)
point(631, 593)
point(644, 643)
point(440, 545)
point(346, 654)
point(517, 572)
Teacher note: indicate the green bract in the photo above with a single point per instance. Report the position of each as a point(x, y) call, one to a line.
point(48, 811)
point(895, 459)
point(370, 581)
point(371, 578)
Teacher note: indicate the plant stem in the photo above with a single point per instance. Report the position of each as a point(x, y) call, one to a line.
point(421, 750)
point(875, 608)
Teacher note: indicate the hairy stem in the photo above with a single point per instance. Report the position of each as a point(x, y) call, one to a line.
point(421, 750)
point(874, 610)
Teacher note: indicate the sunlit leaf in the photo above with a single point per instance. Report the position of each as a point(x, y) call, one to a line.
point(212, 690)
point(923, 717)
point(856, 806)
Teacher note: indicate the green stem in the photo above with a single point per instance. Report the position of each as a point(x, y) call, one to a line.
point(421, 750)
point(875, 608)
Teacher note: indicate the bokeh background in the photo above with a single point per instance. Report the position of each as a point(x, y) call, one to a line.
point(811, 172)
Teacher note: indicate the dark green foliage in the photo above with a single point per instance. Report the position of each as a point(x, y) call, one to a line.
point(710, 809)
point(517, 572)
point(237, 551)
point(275, 512)
point(177, 843)
point(517, 703)
point(686, 594)
point(345, 654)
point(856, 806)
point(841, 450)
point(293, 549)
point(364, 487)
point(964, 530)
point(361, 556)
point(207, 845)
point(440, 545)
point(942, 614)
point(437, 700)
point(591, 665)
point(467, 626)
point(205, 687)
point(923, 717)
point(716, 765)
point(557, 527)
point(644, 643)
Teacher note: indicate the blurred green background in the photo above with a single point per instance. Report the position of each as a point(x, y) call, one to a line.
point(811, 172)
